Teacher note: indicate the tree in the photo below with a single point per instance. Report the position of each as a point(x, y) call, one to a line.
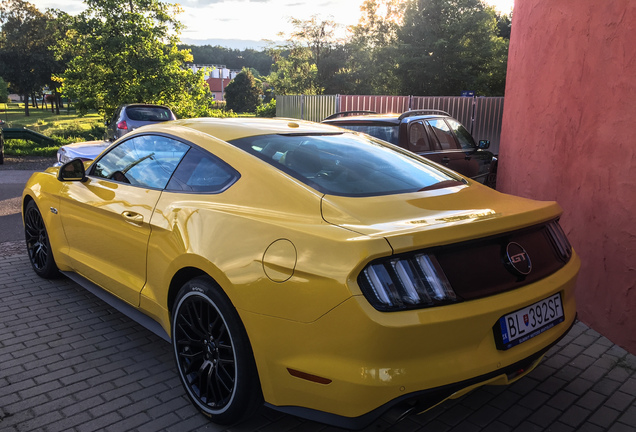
point(504, 25)
point(242, 93)
point(4, 91)
point(372, 50)
point(293, 71)
point(125, 51)
point(310, 60)
point(446, 46)
point(25, 59)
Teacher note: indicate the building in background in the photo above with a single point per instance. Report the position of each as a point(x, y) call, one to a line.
point(217, 77)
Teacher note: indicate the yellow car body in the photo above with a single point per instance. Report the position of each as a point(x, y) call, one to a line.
point(289, 258)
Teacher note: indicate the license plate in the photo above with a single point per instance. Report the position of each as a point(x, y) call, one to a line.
point(531, 321)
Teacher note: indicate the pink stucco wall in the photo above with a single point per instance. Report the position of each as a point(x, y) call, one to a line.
point(569, 134)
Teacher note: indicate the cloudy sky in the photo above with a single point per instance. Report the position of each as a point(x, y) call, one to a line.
point(253, 20)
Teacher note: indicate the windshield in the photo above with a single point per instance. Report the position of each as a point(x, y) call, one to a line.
point(345, 164)
point(387, 132)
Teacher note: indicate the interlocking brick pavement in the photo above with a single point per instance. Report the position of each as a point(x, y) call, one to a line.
point(69, 362)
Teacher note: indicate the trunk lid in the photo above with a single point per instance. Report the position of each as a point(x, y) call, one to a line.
point(437, 217)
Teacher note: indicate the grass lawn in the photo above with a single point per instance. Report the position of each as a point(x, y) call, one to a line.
point(66, 128)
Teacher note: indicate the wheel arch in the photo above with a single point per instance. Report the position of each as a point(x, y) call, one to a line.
point(25, 202)
point(182, 276)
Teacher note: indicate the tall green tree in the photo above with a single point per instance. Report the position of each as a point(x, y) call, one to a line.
point(372, 62)
point(310, 60)
point(125, 51)
point(243, 93)
point(25, 59)
point(294, 71)
point(446, 46)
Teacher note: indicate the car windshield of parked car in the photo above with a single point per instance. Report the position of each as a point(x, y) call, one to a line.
point(346, 164)
point(387, 132)
point(142, 113)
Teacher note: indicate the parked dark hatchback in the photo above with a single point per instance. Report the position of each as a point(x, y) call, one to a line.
point(430, 133)
point(129, 117)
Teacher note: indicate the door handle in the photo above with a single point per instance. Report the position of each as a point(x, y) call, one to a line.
point(445, 160)
point(133, 217)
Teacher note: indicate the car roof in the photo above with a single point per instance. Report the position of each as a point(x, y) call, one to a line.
point(144, 105)
point(392, 118)
point(381, 118)
point(228, 129)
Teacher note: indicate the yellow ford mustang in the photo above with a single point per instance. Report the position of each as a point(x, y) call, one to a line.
point(325, 273)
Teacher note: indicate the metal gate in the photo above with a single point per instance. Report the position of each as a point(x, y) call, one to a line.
point(306, 107)
point(481, 115)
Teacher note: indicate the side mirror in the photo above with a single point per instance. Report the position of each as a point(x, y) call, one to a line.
point(483, 144)
point(72, 171)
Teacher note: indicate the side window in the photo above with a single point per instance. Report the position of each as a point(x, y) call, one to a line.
point(463, 136)
point(443, 134)
point(202, 172)
point(145, 161)
point(418, 139)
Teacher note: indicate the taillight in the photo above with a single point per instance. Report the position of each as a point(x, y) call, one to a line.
point(560, 240)
point(406, 283)
point(122, 125)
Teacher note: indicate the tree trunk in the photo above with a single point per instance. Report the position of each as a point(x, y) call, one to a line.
point(57, 101)
point(26, 105)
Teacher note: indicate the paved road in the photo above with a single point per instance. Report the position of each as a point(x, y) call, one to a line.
point(69, 362)
point(11, 186)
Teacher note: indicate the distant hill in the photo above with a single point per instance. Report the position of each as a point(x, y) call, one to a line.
point(232, 58)
point(239, 44)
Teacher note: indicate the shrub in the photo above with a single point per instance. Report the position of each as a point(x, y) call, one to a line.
point(267, 110)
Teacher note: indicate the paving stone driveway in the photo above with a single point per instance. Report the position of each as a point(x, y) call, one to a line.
point(69, 362)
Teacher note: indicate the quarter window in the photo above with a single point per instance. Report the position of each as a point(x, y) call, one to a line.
point(144, 160)
point(202, 172)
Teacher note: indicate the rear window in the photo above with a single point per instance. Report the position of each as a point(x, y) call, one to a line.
point(149, 113)
point(346, 164)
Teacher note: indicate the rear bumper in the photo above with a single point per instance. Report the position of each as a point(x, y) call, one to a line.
point(423, 400)
point(370, 361)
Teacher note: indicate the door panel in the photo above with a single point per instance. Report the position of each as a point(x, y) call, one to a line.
point(450, 153)
point(107, 227)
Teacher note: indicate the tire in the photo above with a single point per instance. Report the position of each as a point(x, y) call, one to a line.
point(37, 243)
point(213, 354)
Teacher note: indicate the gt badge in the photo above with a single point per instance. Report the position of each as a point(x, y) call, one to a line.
point(518, 260)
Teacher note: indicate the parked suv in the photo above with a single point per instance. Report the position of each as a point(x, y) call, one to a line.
point(433, 134)
point(129, 117)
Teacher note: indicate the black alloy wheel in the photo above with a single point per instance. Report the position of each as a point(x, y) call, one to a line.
point(37, 243)
point(213, 355)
